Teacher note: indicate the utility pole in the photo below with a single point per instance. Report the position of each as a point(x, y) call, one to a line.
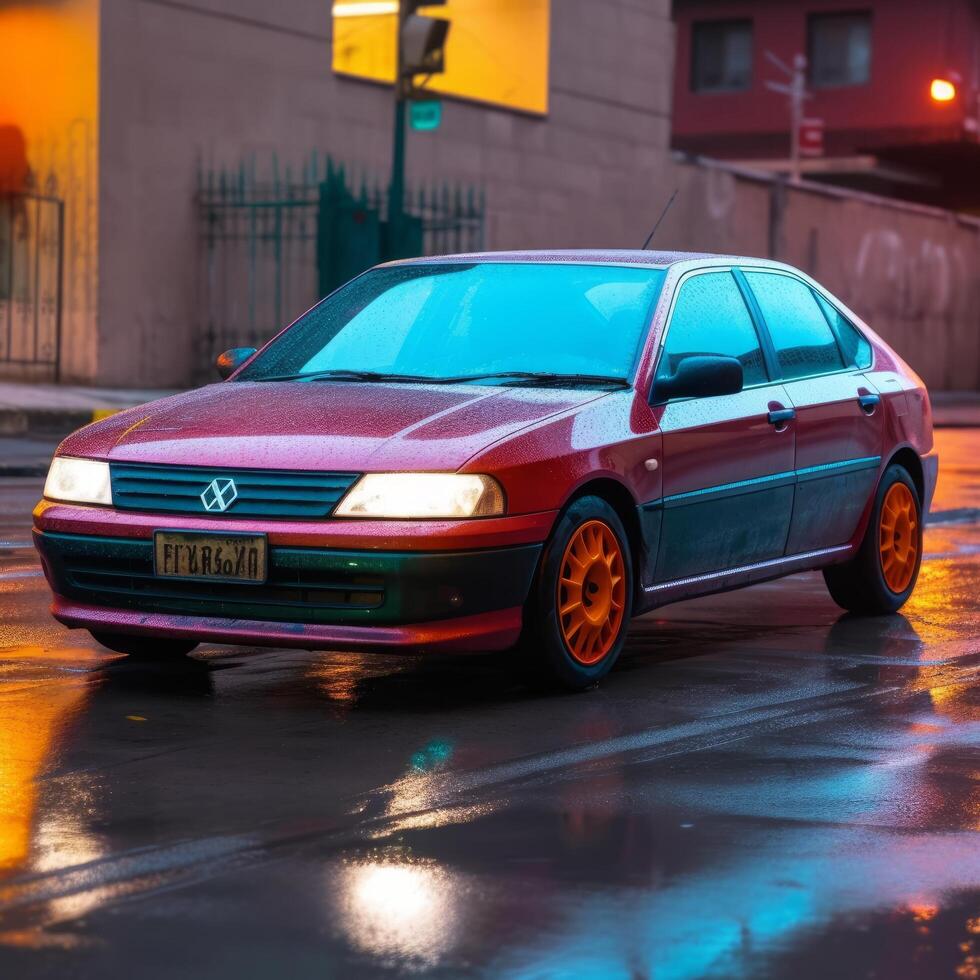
point(795, 89)
point(796, 103)
point(420, 47)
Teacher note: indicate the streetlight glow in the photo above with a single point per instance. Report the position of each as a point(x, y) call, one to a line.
point(365, 8)
point(942, 90)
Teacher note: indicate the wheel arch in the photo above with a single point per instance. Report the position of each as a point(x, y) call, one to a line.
point(908, 458)
point(618, 496)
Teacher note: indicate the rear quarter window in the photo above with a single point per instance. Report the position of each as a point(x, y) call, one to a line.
point(856, 349)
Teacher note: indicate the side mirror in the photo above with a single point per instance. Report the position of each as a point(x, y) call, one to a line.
point(231, 360)
point(701, 376)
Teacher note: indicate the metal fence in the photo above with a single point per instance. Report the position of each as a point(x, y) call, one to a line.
point(272, 247)
point(31, 263)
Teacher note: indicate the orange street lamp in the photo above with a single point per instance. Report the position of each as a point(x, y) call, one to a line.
point(942, 90)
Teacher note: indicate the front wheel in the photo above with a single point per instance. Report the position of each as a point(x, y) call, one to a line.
point(582, 598)
point(144, 647)
point(881, 576)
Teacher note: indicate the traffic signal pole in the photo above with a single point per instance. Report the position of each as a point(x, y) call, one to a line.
point(396, 188)
point(419, 45)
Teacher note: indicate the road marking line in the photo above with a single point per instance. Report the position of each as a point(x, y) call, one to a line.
point(958, 515)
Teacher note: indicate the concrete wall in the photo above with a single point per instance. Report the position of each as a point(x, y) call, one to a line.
point(219, 80)
point(913, 273)
point(184, 81)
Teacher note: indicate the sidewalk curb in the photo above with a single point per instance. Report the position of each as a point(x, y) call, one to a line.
point(48, 421)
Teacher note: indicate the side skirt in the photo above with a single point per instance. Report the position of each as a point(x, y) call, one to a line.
point(727, 579)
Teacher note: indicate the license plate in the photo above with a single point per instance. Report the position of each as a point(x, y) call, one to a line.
point(225, 557)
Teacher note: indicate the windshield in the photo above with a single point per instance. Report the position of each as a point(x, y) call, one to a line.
point(462, 322)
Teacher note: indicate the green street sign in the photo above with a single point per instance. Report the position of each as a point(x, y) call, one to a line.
point(426, 116)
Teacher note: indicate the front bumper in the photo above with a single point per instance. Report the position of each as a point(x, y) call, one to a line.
point(466, 634)
point(317, 595)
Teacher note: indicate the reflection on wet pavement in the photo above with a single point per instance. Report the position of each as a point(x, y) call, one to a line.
point(765, 788)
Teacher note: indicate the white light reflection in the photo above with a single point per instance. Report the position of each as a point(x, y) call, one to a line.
point(400, 909)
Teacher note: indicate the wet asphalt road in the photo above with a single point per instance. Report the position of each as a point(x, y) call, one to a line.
point(763, 788)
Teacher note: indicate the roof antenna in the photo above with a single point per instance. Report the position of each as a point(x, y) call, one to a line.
point(663, 215)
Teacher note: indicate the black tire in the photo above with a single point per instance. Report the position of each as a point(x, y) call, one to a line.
point(544, 652)
point(144, 647)
point(859, 585)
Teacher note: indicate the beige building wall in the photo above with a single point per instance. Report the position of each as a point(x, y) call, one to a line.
point(163, 86)
point(220, 80)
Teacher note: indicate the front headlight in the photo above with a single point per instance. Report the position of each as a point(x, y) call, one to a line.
point(80, 481)
point(423, 495)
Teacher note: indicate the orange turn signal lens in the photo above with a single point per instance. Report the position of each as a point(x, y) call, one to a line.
point(942, 90)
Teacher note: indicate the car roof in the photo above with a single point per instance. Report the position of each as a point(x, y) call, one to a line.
point(611, 256)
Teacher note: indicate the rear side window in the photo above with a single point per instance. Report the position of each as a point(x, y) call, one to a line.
point(805, 344)
point(857, 350)
point(710, 317)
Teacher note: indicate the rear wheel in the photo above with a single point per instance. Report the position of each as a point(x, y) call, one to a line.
point(144, 647)
point(582, 598)
point(881, 577)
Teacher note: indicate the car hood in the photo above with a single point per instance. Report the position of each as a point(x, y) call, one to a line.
point(349, 426)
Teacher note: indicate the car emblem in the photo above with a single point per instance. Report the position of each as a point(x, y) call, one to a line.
point(219, 495)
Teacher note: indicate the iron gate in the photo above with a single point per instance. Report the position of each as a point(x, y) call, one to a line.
point(272, 248)
point(31, 263)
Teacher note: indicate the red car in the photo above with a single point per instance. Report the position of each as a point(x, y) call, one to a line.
point(507, 449)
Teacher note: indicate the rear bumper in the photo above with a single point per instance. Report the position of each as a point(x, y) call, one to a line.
point(314, 597)
point(930, 474)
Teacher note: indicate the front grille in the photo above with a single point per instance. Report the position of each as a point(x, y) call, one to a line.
point(296, 591)
point(260, 493)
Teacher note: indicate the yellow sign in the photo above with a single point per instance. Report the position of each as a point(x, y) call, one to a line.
point(497, 50)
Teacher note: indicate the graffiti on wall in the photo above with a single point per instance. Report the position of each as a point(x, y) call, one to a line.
point(912, 279)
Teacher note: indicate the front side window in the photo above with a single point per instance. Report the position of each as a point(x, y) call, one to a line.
point(840, 49)
point(710, 317)
point(453, 320)
point(721, 56)
point(805, 344)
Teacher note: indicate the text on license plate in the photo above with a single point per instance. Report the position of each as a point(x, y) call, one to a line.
point(231, 557)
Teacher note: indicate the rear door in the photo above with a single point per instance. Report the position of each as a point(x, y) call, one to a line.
point(727, 460)
point(839, 428)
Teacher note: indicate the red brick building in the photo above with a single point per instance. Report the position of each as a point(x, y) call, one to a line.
point(870, 70)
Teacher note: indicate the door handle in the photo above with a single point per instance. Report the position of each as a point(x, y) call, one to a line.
point(779, 417)
point(869, 403)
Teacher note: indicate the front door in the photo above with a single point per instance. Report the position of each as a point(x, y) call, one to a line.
point(728, 460)
point(839, 428)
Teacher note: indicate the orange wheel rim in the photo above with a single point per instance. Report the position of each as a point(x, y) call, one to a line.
point(591, 592)
point(898, 537)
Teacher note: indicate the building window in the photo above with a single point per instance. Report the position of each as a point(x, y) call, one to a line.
point(840, 49)
point(721, 56)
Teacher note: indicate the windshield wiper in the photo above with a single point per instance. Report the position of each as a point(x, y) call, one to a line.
point(515, 378)
point(543, 378)
point(345, 375)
